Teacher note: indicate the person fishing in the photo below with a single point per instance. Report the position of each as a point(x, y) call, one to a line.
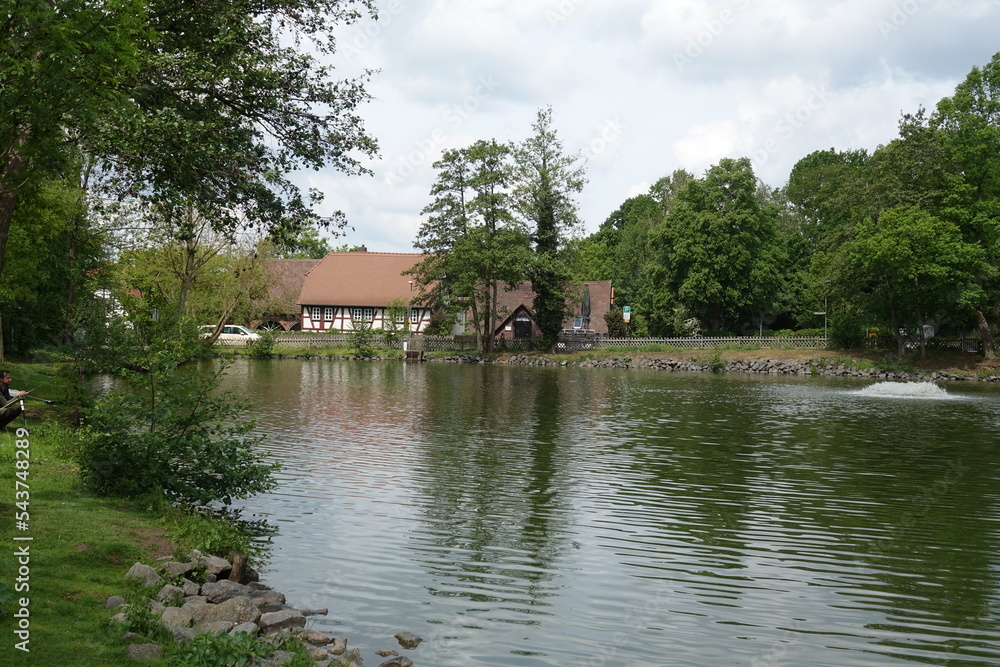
point(11, 405)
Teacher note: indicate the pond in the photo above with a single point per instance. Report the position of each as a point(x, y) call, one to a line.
point(564, 516)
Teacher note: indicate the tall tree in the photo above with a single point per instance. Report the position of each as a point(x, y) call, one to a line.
point(548, 181)
point(719, 246)
point(969, 127)
point(914, 263)
point(475, 245)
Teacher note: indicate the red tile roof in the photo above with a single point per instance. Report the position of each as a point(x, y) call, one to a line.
point(359, 279)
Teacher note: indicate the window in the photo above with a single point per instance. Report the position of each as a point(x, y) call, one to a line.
point(369, 314)
point(414, 315)
point(315, 312)
point(400, 316)
point(357, 314)
point(328, 313)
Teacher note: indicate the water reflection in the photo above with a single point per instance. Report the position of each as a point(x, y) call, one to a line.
point(527, 516)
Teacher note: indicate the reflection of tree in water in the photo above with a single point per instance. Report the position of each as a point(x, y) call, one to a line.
point(494, 506)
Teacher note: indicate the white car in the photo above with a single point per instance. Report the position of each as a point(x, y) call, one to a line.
point(232, 334)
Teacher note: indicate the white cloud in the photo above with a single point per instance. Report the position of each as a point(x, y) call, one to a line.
point(772, 79)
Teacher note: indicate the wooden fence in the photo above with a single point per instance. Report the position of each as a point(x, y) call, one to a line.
point(566, 343)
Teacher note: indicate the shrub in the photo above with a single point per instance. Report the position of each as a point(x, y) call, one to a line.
point(263, 347)
point(167, 431)
point(362, 340)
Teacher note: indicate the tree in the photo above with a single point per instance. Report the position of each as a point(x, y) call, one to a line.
point(547, 182)
point(719, 246)
point(914, 263)
point(969, 129)
point(474, 243)
point(305, 243)
point(205, 106)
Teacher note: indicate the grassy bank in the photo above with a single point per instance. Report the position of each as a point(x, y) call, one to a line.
point(81, 546)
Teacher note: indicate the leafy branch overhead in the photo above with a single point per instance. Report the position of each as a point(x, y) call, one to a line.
point(206, 105)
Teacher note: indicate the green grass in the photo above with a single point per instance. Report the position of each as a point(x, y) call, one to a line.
point(82, 545)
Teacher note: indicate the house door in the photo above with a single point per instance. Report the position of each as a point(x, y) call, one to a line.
point(522, 326)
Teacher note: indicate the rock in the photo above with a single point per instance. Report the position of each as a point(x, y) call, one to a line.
point(286, 619)
point(278, 658)
point(181, 616)
point(313, 637)
point(214, 628)
point(401, 661)
point(247, 628)
point(385, 652)
point(195, 599)
point(318, 653)
point(214, 566)
point(144, 652)
point(157, 607)
point(176, 569)
point(257, 586)
point(408, 640)
point(114, 602)
point(146, 575)
point(350, 659)
point(338, 647)
point(223, 590)
point(190, 588)
point(235, 610)
point(170, 594)
point(314, 612)
point(181, 635)
point(119, 617)
point(271, 600)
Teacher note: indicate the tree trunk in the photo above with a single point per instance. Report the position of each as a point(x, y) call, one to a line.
point(989, 347)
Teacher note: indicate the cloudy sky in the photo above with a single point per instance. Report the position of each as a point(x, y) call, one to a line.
point(640, 87)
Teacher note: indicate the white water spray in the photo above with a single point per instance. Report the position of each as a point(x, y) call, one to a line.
point(905, 390)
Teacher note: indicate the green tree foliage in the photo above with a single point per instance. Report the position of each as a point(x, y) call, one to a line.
point(304, 243)
point(910, 263)
point(719, 246)
point(206, 106)
point(475, 246)
point(51, 248)
point(165, 429)
point(547, 182)
point(968, 124)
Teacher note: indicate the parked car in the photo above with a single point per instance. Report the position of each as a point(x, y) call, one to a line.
point(232, 334)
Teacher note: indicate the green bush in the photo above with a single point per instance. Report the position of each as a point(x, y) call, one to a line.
point(362, 340)
point(168, 431)
point(263, 347)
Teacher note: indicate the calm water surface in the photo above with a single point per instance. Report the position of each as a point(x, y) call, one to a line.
point(530, 516)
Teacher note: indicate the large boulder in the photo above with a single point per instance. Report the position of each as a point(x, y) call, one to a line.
point(276, 621)
point(222, 590)
point(235, 610)
point(144, 574)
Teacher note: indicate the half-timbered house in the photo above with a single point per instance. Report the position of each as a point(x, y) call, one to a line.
point(346, 288)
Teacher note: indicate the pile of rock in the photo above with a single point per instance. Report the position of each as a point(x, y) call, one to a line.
point(233, 605)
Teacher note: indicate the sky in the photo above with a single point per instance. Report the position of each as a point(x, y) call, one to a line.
point(638, 88)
